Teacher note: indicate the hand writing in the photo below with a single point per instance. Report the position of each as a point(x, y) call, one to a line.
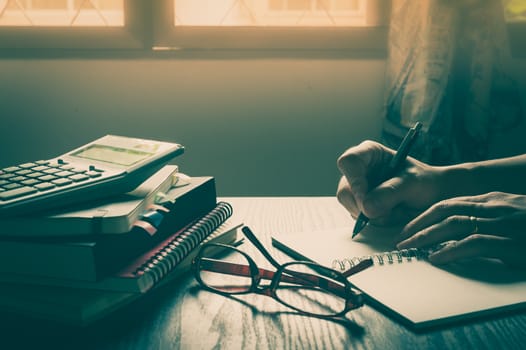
point(415, 187)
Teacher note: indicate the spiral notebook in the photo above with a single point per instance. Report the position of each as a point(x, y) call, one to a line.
point(78, 306)
point(149, 269)
point(405, 284)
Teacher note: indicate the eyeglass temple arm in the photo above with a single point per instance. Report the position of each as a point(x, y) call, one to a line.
point(302, 278)
point(219, 266)
point(252, 237)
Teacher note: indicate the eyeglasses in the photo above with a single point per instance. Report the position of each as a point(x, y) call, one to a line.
point(304, 286)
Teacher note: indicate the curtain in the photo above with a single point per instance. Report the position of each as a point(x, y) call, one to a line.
point(447, 69)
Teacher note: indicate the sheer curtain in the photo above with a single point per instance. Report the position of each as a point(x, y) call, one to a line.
point(447, 69)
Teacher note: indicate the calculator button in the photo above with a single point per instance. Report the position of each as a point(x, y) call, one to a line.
point(30, 182)
point(67, 167)
point(11, 169)
point(11, 186)
point(23, 172)
point(79, 171)
point(27, 165)
point(40, 168)
point(42, 162)
point(94, 168)
point(6, 176)
point(51, 171)
point(35, 175)
point(79, 177)
point(19, 192)
point(18, 178)
point(44, 186)
point(61, 182)
point(3, 182)
point(47, 178)
point(64, 173)
point(93, 174)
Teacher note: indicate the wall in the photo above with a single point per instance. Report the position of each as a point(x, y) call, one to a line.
point(271, 126)
point(261, 126)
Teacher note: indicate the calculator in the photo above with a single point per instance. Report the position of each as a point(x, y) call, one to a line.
point(108, 166)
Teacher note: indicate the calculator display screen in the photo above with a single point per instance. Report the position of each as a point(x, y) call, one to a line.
point(112, 155)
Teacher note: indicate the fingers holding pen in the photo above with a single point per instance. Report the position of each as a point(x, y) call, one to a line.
point(346, 198)
point(379, 205)
point(358, 165)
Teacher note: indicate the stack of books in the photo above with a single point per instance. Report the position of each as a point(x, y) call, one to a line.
point(78, 265)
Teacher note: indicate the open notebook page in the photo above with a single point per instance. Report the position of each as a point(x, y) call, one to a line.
point(420, 293)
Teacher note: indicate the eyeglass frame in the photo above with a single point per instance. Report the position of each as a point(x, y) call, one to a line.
point(352, 297)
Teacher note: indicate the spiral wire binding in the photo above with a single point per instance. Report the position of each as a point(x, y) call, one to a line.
point(398, 256)
point(170, 255)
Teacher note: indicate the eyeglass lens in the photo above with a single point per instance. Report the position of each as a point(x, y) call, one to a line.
point(309, 297)
point(229, 281)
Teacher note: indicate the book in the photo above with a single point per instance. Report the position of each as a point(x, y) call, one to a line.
point(93, 258)
point(145, 271)
point(113, 215)
point(404, 283)
point(81, 307)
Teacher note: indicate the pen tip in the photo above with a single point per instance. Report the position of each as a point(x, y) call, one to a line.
point(355, 231)
point(360, 224)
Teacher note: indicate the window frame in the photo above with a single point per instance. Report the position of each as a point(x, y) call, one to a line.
point(133, 35)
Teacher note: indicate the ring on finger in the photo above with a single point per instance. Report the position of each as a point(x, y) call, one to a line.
point(475, 224)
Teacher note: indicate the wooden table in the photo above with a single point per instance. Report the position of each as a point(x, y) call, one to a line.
point(181, 315)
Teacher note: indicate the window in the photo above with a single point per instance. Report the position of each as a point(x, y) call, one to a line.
point(193, 24)
point(210, 24)
point(271, 13)
point(515, 13)
point(271, 24)
point(85, 24)
point(515, 10)
point(62, 13)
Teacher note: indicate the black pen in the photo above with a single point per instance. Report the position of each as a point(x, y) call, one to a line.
point(395, 163)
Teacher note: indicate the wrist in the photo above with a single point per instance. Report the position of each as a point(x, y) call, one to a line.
point(460, 180)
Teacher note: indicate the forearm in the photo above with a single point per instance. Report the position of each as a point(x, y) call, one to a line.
point(503, 175)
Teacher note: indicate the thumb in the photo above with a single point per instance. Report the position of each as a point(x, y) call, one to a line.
point(380, 201)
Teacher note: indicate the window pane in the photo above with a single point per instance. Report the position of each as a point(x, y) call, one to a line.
point(62, 13)
point(515, 10)
point(270, 12)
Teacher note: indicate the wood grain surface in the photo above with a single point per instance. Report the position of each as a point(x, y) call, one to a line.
point(180, 315)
